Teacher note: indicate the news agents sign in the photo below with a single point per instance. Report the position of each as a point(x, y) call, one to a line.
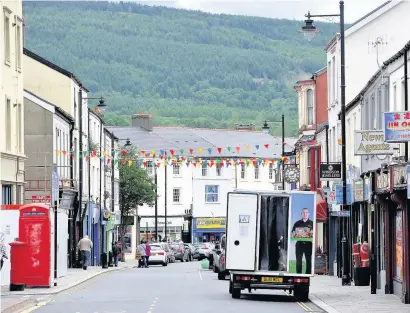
point(330, 171)
point(371, 142)
point(396, 126)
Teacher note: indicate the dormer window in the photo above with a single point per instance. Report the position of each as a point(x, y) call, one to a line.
point(309, 104)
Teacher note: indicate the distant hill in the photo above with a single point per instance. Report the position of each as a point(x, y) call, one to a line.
point(187, 68)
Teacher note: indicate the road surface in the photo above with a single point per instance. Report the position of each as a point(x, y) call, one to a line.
point(177, 288)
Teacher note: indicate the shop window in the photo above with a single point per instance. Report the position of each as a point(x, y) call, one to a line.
point(150, 168)
point(211, 194)
point(398, 258)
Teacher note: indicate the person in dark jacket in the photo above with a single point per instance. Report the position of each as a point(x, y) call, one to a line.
point(116, 251)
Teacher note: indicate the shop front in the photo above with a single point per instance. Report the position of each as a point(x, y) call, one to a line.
point(399, 214)
point(174, 228)
point(208, 229)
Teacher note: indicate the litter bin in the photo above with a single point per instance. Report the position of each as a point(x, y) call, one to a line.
point(18, 258)
point(104, 261)
point(110, 259)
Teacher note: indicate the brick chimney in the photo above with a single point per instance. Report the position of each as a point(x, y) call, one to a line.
point(142, 120)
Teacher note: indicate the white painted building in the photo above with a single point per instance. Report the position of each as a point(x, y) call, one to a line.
point(200, 189)
point(11, 103)
point(368, 43)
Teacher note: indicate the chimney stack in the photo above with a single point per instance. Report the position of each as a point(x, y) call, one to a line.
point(265, 127)
point(142, 120)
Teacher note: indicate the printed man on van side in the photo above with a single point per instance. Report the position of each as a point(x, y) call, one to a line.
point(303, 232)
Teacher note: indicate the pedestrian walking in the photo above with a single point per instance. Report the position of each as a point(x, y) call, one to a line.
point(85, 245)
point(141, 250)
point(116, 251)
point(147, 253)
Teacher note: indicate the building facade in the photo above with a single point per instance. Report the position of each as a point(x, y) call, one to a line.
point(201, 166)
point(12, 157)
point(383, 178)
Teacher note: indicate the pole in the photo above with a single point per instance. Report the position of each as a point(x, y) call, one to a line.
point(283, 151)
point(346, 267)
point(112, 175)
point(327, 205)
point(166, 200)
point(55, 243)
point(156, 204)
point(80, 163)
point(406, 298)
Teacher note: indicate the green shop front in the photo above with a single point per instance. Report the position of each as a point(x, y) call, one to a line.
point(208, 229)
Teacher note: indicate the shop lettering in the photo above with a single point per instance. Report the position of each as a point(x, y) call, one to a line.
point(330, 174)
point(369, 137)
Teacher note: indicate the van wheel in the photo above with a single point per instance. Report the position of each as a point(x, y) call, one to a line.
point(236, 293)
point(165, 264)
point(301, 294)
point(221, 275)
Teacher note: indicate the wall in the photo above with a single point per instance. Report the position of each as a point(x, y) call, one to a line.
point(353, 122)
point(9, 223)
point(321, 98)
point(11, 88)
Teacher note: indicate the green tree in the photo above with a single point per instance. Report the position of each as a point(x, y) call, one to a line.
point(136, 189)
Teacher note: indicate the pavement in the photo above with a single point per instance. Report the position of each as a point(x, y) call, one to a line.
point(11, 302)
point(328, 293)
point(185, 287)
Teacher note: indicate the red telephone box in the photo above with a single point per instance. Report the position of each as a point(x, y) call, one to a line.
point(34, 230)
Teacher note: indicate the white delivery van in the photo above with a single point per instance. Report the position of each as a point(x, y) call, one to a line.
point(270, 238)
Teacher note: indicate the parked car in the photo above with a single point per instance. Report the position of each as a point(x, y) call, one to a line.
point(202, 250)
point(158, 255)
point(191, 250)
point(180, 252)
point(219, 259)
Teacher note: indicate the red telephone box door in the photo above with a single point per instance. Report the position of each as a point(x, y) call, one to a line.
point(34, 230)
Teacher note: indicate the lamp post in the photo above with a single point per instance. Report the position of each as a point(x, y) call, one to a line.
point(309, 30)
point(265, 129)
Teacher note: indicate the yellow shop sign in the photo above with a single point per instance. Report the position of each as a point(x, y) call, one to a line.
point(211, 222)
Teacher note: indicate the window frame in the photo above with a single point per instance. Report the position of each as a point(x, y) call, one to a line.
point(218, 170)
point(8, 125)
point(176, 196)
point(208, 193)
point(176, 170)
point(310, 106)
point(7, 35)
point(243, 171)
point(204, 169)
point(256, 172)
point(19, 43)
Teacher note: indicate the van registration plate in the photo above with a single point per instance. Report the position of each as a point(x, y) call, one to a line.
point(272, 280)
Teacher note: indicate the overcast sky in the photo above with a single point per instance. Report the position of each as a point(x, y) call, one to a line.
point(290, 9)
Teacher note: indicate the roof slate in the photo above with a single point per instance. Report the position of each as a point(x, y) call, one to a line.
point(177, 138)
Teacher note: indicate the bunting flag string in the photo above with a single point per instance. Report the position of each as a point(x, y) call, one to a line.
point(178, 157)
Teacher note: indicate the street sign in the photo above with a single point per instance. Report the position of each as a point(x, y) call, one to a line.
point(341, 213)
point(330, 171)
point(41, 199)
point(339, 194)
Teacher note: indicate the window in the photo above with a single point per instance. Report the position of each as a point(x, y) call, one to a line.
point(308, 165)
point(204, 169)
point(150, 168)
point(176, 193)
point(211, 193)
point(18, 46)
point(8, 124)
point(7, 192)
point(270, 171)
point(394, 109)
point(243, 171)
point(256, 169)
point(116, 192)
point(309, 104)
point(6, 36)
point(398, 257)
point(176, 169)
point(218, 170)
point(19, 131)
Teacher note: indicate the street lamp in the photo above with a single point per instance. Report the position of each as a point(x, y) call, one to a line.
point(309, 30)
point(265, 129)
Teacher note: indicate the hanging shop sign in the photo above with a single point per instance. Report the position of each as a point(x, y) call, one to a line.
point(399, 173)
point(382, 181)
point(211, 222)
point(396, 126)
point(330, 171)
point(339, 194)
point(358, 191)
point(371, 142)
point(366, 189)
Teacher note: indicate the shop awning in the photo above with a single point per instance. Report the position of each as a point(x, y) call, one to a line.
point(321, 211)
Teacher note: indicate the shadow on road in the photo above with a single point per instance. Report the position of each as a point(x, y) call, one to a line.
point(268, 297)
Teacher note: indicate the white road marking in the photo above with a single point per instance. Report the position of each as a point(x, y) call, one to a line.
point(152, 306)
point(200, 275)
